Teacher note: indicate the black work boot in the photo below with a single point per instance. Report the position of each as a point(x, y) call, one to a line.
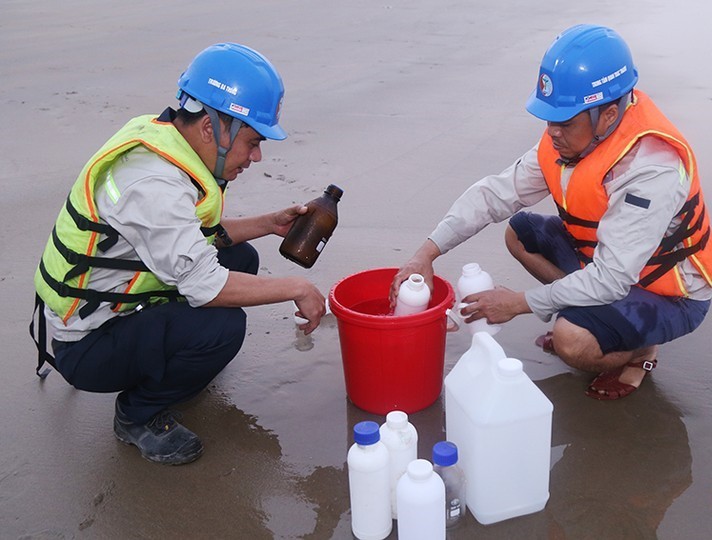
point(162, 439)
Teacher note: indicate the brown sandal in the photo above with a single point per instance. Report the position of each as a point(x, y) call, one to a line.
point(607, 386)
point(546, 342)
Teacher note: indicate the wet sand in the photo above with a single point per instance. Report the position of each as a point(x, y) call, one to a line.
point(402, 104)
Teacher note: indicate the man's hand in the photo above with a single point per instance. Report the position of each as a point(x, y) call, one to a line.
point(282, 220)
point(497, 305)
point(420, 263)
point(311, 305)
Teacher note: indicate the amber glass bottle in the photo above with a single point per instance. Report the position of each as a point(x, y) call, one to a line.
point(311, 231)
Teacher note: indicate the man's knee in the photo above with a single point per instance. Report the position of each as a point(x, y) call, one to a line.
point(514, 245)
point(242, 257)
point(576, 346)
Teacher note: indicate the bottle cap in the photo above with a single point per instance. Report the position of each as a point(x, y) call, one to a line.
point(420, 469)
point(397, 419)
point(334, 190)
point(366, 433)
point(444, 453)
point(509, 367)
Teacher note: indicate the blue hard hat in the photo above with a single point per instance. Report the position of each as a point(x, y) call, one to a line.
point(586, 66)
point(239, 82)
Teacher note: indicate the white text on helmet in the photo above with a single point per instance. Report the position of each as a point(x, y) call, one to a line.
point(610, 77)
point(222, 86)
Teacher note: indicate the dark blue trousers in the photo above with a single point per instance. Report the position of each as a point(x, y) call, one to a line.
point(640, 319)
point(162, 355)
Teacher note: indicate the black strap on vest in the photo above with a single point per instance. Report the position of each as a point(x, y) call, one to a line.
point(668, 260)
point(684, 230)
point(82, 262)
point(666, 256)
point(573, 220)
point(94, 298)
point(86, 224)
point(41, 339)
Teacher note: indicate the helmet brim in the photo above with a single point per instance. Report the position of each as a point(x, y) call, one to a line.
point(275, 133)
point(546, 112)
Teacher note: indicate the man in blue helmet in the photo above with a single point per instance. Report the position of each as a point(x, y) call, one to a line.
point(626, 265)
point(141, 284)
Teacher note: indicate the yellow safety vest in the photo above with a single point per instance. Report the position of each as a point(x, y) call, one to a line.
point(73, 249)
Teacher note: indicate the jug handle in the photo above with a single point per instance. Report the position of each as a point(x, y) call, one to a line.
point(454, 318)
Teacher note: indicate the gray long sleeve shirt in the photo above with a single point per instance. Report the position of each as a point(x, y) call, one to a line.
point(627, 235)
point(151, 204)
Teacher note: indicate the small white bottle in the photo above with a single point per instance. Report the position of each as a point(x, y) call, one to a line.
point(401, 439)
point(421, 502)
point(369, 487)
point(474, 280)
point(413, 296)
point(446, 466)
point(302, 341)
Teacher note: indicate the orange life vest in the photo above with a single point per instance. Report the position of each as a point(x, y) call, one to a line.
point(586, 200)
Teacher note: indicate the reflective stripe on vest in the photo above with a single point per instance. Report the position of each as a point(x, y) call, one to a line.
point(586, 200)
point(73, 248)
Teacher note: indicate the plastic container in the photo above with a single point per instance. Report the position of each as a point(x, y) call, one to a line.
point(369, 489)
point(421, 500)
point(302, 341)
point(390, 363)
point(413, 296)
point(446, 467)
point(501, 424)
point(401, 439)
point(311, 231)
point(473, 280)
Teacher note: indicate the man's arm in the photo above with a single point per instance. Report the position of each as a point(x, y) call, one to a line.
point(248, 228)
point(492, 199)
point(243, 289)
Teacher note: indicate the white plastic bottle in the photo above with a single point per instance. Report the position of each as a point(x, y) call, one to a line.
point(501, 424)
point(474, 280)
point(401, 439)
point(369, 488)
point(421, 501)
point(413, 296)
point(446, 467)
point(302, 342)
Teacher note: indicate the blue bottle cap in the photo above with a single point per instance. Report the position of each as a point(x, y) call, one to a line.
point(366, 433)
point(444, 453)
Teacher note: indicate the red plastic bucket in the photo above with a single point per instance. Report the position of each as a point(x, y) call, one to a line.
point(390, 363)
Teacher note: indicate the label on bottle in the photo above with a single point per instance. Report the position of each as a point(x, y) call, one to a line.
point(321, 245)
point(454, 510)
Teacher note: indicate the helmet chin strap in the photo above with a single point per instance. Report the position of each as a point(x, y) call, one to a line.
point(234, 127)
point(595, 114)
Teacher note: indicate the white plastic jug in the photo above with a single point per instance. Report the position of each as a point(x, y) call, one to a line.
point(473, 280)
point(501, 424)
point(401, 439)
point(413, 296)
